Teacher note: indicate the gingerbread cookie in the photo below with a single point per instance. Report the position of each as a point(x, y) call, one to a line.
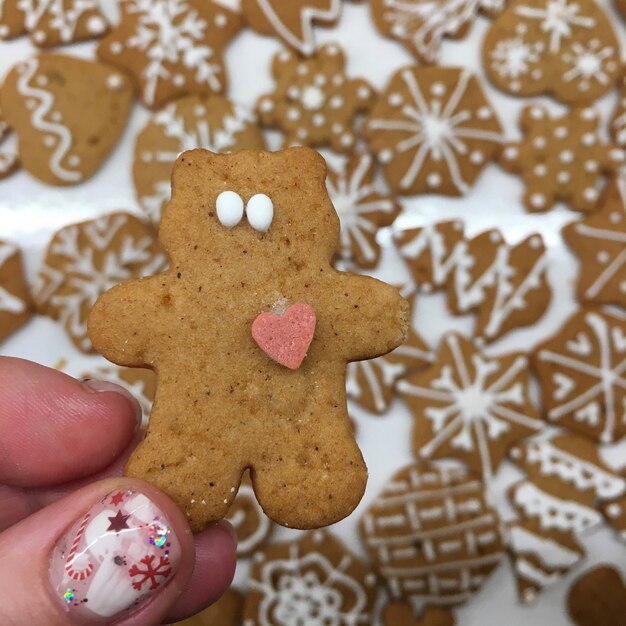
point(433, 130)
point(293, 325)
point(9, 162)
point(362, 207)
point(172, 47)
point(84, 260)
point(400, 614)
point(314, 102)
point(432, 536)
point(39, 100)
point(312, 580)
point(422, 25)
point(615, 515)
point(598, 598)
point(618, 120)
point(293, 22)
point(599, 242)
point(15, 301)
point(505, 284)
point(565, 48)
point(253, 527)
point(211, 122)
point(140, 383)
point(54, 22)
point(470, 407)
point(582, 373)
point(561, 158)
point(227, 611)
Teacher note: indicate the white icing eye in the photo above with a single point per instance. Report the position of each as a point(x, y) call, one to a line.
point(260, 212)
point(229, 207)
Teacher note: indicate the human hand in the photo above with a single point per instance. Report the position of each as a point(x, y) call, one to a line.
point(73, 531)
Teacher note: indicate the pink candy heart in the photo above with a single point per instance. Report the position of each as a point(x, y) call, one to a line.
point(286, 339)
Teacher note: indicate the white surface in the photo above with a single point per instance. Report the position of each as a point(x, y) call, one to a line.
point(31, 211)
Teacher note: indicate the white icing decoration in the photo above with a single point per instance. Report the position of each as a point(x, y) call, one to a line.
point(229, 207)
point(308, 14)
point(43, 107)
point(594, 355)
point(435, 129)
point(170, 33)
point(260, 212)
point(588, 64)
point(548, 551)
point(469, 412)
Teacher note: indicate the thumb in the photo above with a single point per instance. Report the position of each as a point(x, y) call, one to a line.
point(118, 551)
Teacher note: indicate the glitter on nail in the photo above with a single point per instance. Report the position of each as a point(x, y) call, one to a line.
point(158, 535)
point(69, 596)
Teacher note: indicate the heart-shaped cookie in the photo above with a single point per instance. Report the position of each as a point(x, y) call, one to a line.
point(286, 338)
point(68, 114)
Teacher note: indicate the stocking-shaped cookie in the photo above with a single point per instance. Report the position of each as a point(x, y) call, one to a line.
point(250, 331)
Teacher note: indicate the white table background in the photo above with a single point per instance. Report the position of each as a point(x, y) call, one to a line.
point(31, 211)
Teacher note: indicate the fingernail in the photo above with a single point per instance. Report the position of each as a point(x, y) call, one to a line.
point(115, 557)
point(229, 529)
point(104, 386)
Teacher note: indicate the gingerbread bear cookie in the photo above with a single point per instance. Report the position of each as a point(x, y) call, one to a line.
point(250, 331)
point(314, 102)
point(599, 242)
point(565, 48)
point(172, 47)
point(293, 22)
point(212, 122)
point(15, 301)
point(422, 25)
point(40, 98)
point(84, 260)
point(433, 130)
point(561, 158)
point(54, 22)
point(598, 598)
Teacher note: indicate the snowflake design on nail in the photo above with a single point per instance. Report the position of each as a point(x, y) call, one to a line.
point(433, 130)
point(469, 406)
point(314, 581)
point(362, 209)
point(212, 123)
point(561, 158)
point(150, 572)
point(582, 373)
point(85, 260)
point(172, 46)
point(314, 102)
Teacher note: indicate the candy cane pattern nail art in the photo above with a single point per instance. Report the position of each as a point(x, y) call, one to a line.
point(433, 130)
point(582, 373)
point(15, 301)
point(85, 260)
point(566, 48)
point(213, 123)
point(470, 407)
point(117, 555)
point(599, 241)
point(432, 535)
point(561, 158)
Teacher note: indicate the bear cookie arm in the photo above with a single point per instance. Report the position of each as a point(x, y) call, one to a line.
point(249, 332)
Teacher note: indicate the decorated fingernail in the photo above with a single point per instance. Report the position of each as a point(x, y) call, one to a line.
point(115, 557)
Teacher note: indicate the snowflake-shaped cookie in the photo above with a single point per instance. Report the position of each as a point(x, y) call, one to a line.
point(505, 284)
point(582, 372)
point(85, 260)
point(53, 22)
point(561, 158)
point(313, 580)
point(172, 47)
point(422, 25)
point(211, 122)
point(362, 207)
point(599, 241)
point(433, 536)
point(470, 407)
point(314, 102)
point(567, 48)
point(433, 130)
point(15, 302)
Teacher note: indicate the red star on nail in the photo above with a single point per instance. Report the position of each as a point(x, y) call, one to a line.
point(118, 522)
point(117, 498)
